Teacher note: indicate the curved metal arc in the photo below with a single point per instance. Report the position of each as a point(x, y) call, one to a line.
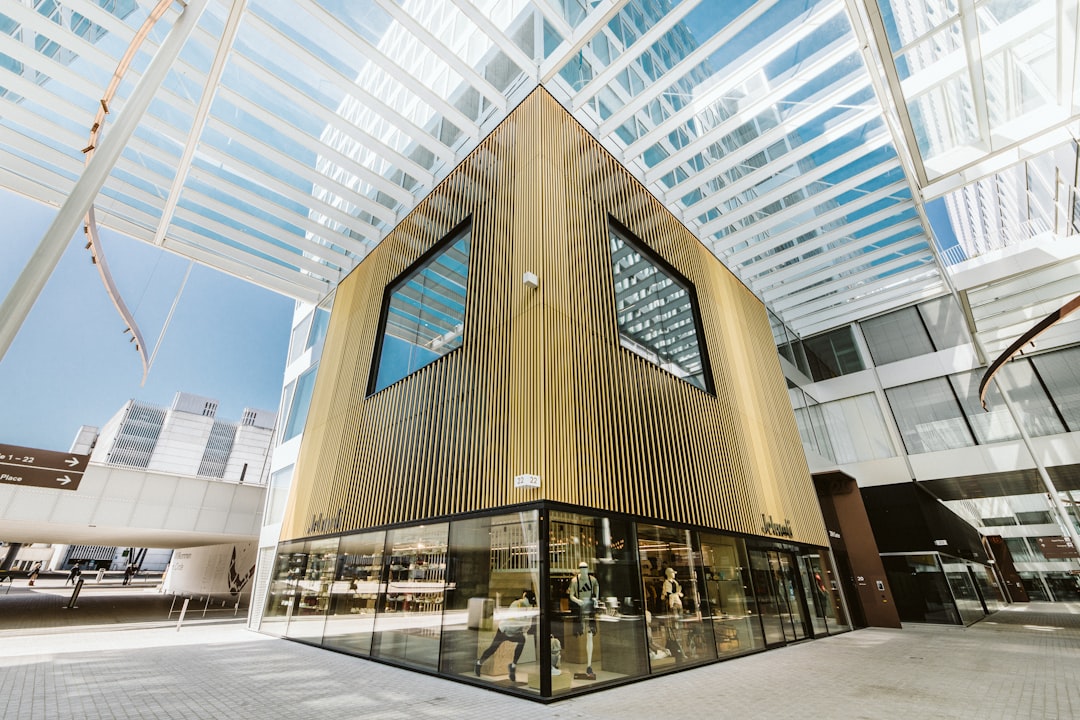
point(1020, 342)
point(93, 243)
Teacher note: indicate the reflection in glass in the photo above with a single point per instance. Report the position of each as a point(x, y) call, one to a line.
point(730, 596)
point(313, 591)
point(425, 313)
point(409, 614)
point(965, 595)
point(355, 593)
point(289, 567)
point(919, 589)
point(487, 625)
point(929, 416)
point(655, 311)
point(599, 625)
point(776, 583)
point(677, 629)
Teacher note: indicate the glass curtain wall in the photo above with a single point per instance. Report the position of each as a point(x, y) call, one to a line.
point(408, 615)
point(358, 584)
point(624, 599)
point(490, 628)
point(676, 627)
point(730, 595)
point(597, 614)
point(920, 589)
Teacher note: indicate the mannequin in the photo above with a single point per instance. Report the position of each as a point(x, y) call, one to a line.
point(584, 591)
point(672, 592)
point(512, 629)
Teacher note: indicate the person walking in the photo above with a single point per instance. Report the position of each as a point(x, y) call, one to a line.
point(76, 571)
point(35, 571)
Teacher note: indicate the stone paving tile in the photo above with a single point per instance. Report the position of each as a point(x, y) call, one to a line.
point(1023, 662)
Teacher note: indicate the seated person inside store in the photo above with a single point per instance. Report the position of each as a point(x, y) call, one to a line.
point(513, 628)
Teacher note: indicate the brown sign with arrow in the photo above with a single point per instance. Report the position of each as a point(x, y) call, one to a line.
point(31, 467)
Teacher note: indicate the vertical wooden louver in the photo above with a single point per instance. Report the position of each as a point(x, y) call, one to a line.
point(541, 385)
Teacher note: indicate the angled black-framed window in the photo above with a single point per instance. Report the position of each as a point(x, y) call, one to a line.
point(656, 310)
point(423, 313)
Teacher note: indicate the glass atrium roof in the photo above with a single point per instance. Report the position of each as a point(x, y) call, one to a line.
point(290, 136)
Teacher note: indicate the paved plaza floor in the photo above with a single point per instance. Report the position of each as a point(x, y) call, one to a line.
point(120, 655)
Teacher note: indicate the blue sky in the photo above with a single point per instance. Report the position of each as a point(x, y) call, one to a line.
point(71, 364)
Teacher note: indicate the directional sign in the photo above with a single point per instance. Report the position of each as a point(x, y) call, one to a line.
point(31, 467)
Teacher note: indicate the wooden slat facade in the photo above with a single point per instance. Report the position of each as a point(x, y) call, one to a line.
point(541, 385)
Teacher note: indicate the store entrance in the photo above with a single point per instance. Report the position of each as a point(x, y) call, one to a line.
point(783, 615)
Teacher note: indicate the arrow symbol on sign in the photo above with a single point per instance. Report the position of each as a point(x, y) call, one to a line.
point(71, 462)
point(64, 480)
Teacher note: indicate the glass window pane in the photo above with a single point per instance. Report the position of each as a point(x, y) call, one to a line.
point(929, 417)
point(1061, 373)
point(1038, 517)
point(492, 614)
point(409, 614)
point(855, 429)
point(357, 586)
point(597, 615)
point(963, 589)
point(301, 402)
point(677, 629)
point(277, 495)
point(424, 317)
point(316, 577)
point(920, 589)
point(730, 598)
point(995, 424)
point(833, 354)
point(945, 322)
point(655, 311)
point(1019, 550)
point(319, 324)
point(281, 596)
point(298, 336)
point(896, 336)
point(1029, 399)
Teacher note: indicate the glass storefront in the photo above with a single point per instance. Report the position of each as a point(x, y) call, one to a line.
point(617, 600)
point(730, 596)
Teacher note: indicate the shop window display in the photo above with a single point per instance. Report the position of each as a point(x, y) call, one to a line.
point(355, 593)
point(313, 591)
point(597, 615)
point(730, 595)
point(490, 628)
point(408, 620)
point(677, 629)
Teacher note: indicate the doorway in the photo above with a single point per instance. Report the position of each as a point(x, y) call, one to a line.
point(783, 614)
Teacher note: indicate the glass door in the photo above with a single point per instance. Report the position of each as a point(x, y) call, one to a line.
point(775, 578)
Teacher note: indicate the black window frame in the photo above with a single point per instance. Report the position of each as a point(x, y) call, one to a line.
point(392, 287)
point(639, 245)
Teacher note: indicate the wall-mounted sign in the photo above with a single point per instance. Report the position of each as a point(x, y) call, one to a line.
point(31, 467)
point(768, 527)
point(1056, 548)
point(526, 481)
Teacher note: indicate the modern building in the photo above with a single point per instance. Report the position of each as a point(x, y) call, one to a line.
point(151, 479)
point(446, 187)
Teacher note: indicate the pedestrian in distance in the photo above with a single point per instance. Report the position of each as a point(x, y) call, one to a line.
point(34, 572)
point(128, 572)
point(76, 571)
